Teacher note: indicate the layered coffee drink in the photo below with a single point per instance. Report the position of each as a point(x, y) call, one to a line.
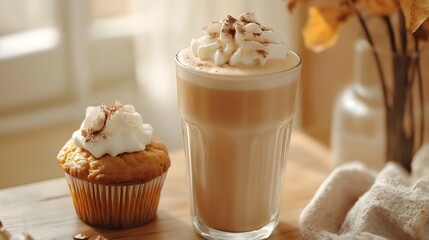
point(237, 90)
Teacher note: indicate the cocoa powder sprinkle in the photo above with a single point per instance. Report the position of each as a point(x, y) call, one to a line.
point(213, 35)
point(230, 19)
point(202, 65)
point(108, 113)
point(231, 31)
point(262, 52)
point(264, 28)
point(240, 29)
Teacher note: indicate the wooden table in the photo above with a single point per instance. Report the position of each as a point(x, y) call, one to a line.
point(46, 211)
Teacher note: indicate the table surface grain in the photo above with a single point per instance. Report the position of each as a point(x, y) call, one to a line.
point(45, 209)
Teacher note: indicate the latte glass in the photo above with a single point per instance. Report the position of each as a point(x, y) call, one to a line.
point(236, 130)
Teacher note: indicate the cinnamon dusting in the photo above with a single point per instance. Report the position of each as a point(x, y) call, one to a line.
point(240, 29)
point(228, 28)
point(201, 65)
point(213, 35)
point(90, 134)
point(262, 52)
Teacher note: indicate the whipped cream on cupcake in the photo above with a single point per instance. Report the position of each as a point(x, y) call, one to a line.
point(112, 130)
point(242, 40)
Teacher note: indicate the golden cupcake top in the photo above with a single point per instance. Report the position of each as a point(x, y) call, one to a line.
point(124, 169)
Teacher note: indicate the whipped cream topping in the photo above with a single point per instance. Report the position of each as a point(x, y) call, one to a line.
point(239, 41)
point(112, 130)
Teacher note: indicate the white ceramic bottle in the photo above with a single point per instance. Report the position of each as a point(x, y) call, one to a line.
point(358, 132)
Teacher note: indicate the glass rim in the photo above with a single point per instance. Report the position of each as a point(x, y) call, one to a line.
point(227, 77)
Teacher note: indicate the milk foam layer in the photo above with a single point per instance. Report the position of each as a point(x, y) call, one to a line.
point(112, 130)
point(234, 41)
point(227, 77)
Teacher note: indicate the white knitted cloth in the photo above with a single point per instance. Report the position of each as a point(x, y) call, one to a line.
point(355, 203)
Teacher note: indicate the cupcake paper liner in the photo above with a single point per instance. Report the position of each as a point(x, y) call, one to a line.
point(110, 206)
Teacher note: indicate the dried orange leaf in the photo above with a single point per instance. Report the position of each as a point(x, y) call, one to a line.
point(381, 7)
point(291, 5)
point(422, 33)
point(406, 8)
point(419, 12)
point(322, 27)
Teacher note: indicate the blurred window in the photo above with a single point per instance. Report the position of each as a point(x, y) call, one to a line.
point(59, 56)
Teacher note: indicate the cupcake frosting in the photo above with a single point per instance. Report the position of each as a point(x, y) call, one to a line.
point(112, 130)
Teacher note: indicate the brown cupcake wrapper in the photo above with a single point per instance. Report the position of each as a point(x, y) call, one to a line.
point(110, 206)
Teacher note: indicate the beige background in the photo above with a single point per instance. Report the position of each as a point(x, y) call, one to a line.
point(28, 155)
point(324, 75)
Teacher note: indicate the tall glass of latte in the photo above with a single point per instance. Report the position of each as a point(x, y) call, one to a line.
point(237, 89)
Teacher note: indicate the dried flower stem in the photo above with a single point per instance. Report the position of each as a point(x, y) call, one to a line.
point(402, 125)
point(402, 91)
point(401, 147)
point(405, 129)
point(391, 33)
point(376, 57)
point(421, 92)
point(403, 32)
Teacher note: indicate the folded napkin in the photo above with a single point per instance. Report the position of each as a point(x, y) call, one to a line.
point(356, 203)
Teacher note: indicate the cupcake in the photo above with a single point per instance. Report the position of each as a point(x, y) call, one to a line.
point(114, 168)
